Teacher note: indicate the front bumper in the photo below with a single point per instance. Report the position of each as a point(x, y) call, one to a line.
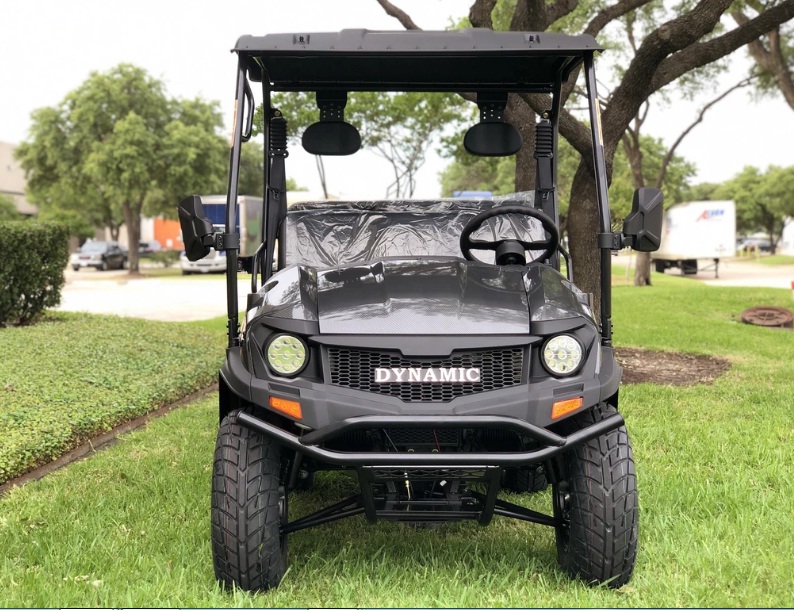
point(550, 444)
point(211, 265)
point(82, 263)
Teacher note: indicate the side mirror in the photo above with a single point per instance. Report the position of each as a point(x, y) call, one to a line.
point(642, 228)
point(197, 229)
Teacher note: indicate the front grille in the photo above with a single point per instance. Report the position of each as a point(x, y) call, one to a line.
point(355, 369)
point(441, 437)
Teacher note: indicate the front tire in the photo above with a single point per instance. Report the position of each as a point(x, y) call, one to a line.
point(596, 502)
point(249, 505)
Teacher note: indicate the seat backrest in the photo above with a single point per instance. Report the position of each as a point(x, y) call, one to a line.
point(328, 234)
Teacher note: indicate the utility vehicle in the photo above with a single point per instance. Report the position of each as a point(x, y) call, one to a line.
point(375, 342)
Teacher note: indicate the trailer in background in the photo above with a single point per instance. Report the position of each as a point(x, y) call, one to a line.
point(249, 219)
point(696, 231)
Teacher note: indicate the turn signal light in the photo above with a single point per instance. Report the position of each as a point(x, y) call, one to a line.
point(563, 407)
point(290, 407)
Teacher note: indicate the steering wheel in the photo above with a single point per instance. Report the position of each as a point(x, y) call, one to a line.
point(549, 246)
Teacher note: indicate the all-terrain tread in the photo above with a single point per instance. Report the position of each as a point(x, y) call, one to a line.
point(248, 551)
point(600, 544)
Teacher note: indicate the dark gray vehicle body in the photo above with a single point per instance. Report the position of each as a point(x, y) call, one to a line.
point(425, 369)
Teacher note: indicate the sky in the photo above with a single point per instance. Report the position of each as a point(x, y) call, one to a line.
point(49, 47)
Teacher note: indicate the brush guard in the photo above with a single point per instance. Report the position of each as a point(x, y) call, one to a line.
point(380, 473)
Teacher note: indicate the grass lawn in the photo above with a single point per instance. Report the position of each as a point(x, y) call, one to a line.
point(130, 526)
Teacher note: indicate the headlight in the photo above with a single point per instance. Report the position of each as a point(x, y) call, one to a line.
point(286, 355)
point(562, 355)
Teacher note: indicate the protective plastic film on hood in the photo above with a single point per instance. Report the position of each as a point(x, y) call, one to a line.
point(330, 234)
point(291, 295)
point(552, 297)
point(431, 296)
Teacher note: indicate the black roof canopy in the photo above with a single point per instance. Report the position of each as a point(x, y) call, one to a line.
point(459, 60)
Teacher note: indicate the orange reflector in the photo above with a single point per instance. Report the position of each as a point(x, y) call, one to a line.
point(290, 407)
point(564, 407)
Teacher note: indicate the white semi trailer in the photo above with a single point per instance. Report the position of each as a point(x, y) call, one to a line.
point(697, 231)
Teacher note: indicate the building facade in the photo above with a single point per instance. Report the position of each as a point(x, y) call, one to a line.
point(12, 180)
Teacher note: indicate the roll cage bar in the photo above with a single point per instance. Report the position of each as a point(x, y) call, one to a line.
point(475, 60)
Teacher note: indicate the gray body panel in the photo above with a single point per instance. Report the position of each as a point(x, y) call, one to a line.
point(426, 297)
point(415, 296)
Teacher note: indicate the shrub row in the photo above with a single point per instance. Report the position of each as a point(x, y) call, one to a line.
point(32, 259)
point(72, 376)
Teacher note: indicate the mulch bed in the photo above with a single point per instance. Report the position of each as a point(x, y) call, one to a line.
point(668, 368)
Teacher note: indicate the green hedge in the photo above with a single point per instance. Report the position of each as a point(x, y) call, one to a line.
point(32, 259)
point(71, 376)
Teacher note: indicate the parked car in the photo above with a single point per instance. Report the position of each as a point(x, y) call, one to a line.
point(214, 262)
point(101, 255)
point(149, 247)
point(753, 244)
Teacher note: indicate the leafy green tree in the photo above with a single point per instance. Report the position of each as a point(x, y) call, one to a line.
point(763, 200)
point(73, 220)
point(400, 127)
point(704, 191)
point(252, 167)
point(495, 174)
point(772, 53)
point(8, 211)
point(677, 41)
point(117, 147)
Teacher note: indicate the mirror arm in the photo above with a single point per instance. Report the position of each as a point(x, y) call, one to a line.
point(223, 241)
point(614, 241)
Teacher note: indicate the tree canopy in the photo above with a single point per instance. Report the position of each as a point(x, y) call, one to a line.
point(673, 42)
point(117, 147)
point(763, 200)
point(400, 127)
point(8, 211)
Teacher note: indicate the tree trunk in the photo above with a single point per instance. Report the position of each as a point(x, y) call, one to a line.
point(522, 117)
point(132, 218)
point(642, 270)
point(583, 228)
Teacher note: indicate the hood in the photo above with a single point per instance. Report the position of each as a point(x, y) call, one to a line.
point(420, 297)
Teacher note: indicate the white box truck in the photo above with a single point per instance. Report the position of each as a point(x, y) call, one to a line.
point(697, 230)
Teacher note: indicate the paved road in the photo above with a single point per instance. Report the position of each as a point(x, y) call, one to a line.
point(736, 272)
point(166, 299)
point(183, 299)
